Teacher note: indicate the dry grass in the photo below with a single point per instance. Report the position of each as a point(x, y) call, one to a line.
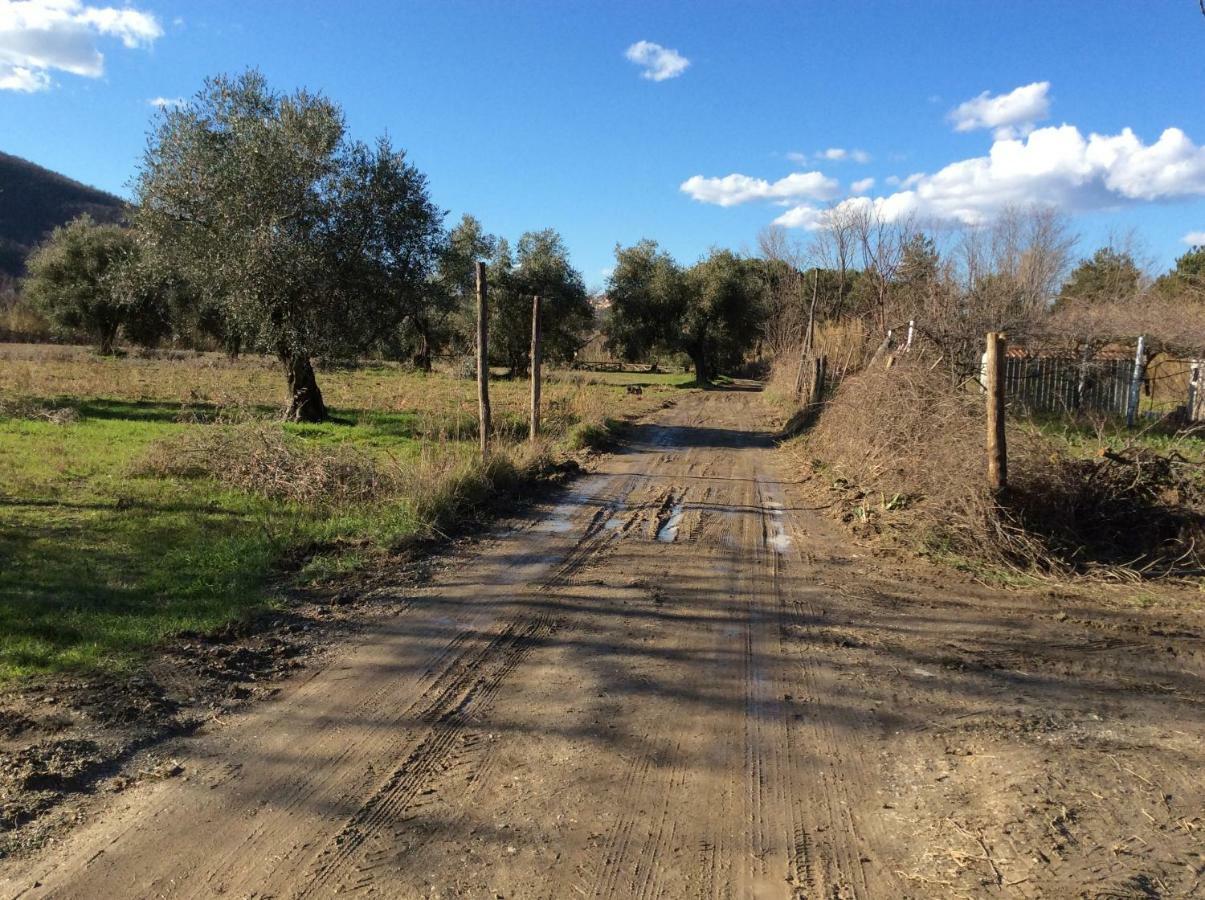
point(844, 343)
point(906, 450)
point(262, 460)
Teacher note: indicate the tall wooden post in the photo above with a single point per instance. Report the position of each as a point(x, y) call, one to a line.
point(1196, 390)
point(1136, 383)
point(483, 361)
point(536, 360)
point(997, 451)
point(809, 334)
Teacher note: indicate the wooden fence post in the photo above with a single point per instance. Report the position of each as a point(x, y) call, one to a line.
point(882, 349)
point(1196, 390)
point(535, 368)
point(483, 361)
point(809, 334)
point(1136, 382)
point(819, 371)
point(997, 451)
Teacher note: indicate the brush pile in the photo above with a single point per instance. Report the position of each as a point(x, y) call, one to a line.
point(904, 449)
point(265, 461)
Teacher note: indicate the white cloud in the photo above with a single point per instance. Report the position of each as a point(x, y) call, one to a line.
point(862, 185)
point(1194, 239)
point(732, 190)
point(1011, 115)
point(38, 37)
point(659, 63)
point(832, 154)
point(23, 79)
point(802, 216)
point(166, 102)
point(1054, 166)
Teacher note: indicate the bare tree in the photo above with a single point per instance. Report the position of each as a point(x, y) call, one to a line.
point(881, 244)
point(833, 248)
point(783, 262)
point(1001, 275)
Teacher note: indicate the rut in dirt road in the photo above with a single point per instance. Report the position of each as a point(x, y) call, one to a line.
point(681, 682)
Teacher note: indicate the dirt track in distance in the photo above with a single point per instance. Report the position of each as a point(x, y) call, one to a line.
point(680, 681)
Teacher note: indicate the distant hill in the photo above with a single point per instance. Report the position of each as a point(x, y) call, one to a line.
point(33, 201)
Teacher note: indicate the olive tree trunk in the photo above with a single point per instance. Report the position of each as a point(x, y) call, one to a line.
point(107, 338)
point(422, 355)
point(305, 399)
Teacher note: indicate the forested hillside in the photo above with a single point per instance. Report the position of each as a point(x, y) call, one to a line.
point(33, 200)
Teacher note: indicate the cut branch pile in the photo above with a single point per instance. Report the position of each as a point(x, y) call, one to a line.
point(905, 450)
point(264, 461)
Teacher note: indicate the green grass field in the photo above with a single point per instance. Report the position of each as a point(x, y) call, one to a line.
point(105, 550)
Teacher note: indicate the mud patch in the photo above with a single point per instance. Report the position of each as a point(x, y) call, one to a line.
point(13, 724)
point(671, 519)
point(66, 738)
point(777, 538)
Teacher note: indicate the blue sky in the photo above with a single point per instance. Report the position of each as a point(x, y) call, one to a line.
point(529, 114)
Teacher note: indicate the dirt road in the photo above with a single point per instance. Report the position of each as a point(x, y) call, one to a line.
point(682, 682)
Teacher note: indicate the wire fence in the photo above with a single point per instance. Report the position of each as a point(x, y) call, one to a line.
point(1050, 384)
point(1120, 380)
point(1141, 387)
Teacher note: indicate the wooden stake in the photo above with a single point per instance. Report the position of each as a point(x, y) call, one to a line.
point(483, 361)
point(808, 334)
point(997, 451)
point(1136, 382)
point(1196, 390)
point(535, 368)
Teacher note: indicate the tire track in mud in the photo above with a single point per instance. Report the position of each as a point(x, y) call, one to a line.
point(374, 837)
point(836, 865)
point(447, 705)
point(445, 714)
point(631, 861)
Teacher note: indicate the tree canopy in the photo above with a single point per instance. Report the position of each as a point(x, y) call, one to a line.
point(1110, 276)
point(712, 311)
point(1186, 280)
point(83, 277)
point(303, 242)
point(539, 267)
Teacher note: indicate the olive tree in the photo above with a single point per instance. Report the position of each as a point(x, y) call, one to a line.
point(85, 277)
point(454, 313)
point(306, 243)
point(647, 291)
point(540, 266)
point(713, 311)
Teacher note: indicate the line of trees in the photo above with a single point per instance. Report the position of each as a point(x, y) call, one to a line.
point(259, 224)
point(712, 311)
point(1016, 274)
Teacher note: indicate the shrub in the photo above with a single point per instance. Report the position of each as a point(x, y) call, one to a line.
point(908, 450)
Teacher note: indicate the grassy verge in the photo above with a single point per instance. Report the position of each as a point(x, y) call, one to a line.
point(145, 497)
point(1083, 439)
